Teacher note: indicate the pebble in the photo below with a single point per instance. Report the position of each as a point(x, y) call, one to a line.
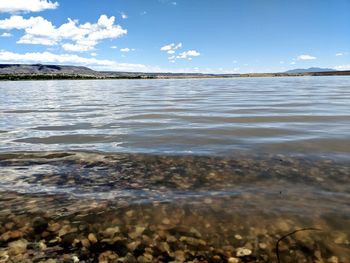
point(111, 232)
point(333, 259)
point(242, 252)
point(262, 246)
point(166, 221)
point(85, 243)
point(107, 256)
point(179, 256)
point(55, 227)
point(232, 260)
point(18, 247)
point(238, 237)
point(92, 238)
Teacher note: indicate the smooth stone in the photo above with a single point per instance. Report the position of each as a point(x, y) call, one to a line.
point(107, 256)
point(166, 221)
point(10, 235)
point(18, 247)
point(92, 238)
point(238, 237)
point(242, 252)
point(180, 256)
point(85, 243)
point(333, 259)
point(232, 260)
point(111, 231)
point(262, 246)
point(55, 227)
point(193, 241)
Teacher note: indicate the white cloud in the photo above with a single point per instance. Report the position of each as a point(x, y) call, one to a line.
point(114, 47)
point(93, 54)
point(342, 67)
point(126, 50)
point(69, 59)
point(15, 6)
point(171, 46)
point(123, 15)
point(72, 36)
point(235, 62)
point(167, 47)
point(292, 63)
point(189, 53)
point(306, 57)
point(339, 54)
point(6, 34)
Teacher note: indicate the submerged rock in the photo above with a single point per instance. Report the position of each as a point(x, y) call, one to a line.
point(39, 224)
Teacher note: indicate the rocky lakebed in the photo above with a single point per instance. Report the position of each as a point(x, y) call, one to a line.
point(97, 207)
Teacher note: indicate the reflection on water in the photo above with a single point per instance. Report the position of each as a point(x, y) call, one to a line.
point(200, 116)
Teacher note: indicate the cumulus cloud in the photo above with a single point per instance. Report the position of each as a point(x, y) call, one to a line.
point(188, 54)
point(72, 36)
point(114, 47)
point(6, 34)
point(172, 48)
point(16, 6)
point(306, 57)
point(48, 57)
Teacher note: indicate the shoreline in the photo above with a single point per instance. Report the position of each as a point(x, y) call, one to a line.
point(153, 76)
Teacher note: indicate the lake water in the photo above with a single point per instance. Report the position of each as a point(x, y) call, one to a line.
point(192, 169)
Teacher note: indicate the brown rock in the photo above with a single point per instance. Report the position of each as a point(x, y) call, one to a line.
point(18, 247)
point(92, 238)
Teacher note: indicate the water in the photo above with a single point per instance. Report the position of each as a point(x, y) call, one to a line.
point(201, 116)
point(190, 169)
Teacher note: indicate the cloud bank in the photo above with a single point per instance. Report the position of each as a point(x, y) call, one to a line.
point(68, 59)
point(16, 6)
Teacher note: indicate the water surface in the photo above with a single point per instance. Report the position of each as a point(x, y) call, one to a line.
point(195, 116)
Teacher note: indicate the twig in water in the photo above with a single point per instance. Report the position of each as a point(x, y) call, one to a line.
point(290, 234)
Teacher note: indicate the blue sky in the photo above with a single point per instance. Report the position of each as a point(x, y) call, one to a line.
point(223, 36)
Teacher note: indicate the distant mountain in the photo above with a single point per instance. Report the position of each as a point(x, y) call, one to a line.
point(45, 72)
point(44, 69)
point(309, 70)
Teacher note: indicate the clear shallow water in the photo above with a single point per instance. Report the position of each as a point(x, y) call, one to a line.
point(195, 116)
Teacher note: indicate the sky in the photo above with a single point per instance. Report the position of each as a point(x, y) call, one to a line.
point(208, 36)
